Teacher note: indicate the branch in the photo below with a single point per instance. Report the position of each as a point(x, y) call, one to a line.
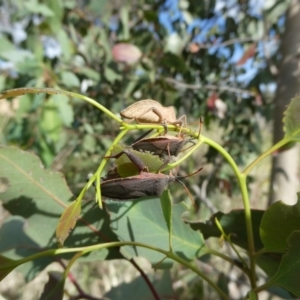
point(208, 87)
point(230, 42)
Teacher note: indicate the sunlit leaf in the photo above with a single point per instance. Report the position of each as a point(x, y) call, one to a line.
point(291, 120)
point(143, 221)
point(68, 221)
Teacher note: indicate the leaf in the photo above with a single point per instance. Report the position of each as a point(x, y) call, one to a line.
point(34, 192)
point(39, 196)
point(37, 8)
point(250, 52)
point(90, 73)
point(163, 287)
point(234, 225)
point(166, 205)
point(111, 75)
point(278, 222)
point(50, 121)
point(126, 168)
point(143, 221)
point(16, 244)
point(127, 53)
point(6, 266)
point(173, 61)
point(291, 120)
point(289, 270)
point(67, 221)
point(54, 288)
point(69, 79)
point(65, 110)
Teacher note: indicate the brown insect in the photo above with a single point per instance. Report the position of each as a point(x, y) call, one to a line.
point(134, 187)
point(142, 185)
point(161, 145)
point(134, 158)
point(151, 111)
point(164, 145)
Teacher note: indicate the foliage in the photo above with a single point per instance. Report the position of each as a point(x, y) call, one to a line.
point(32, 192)
point(199, 60)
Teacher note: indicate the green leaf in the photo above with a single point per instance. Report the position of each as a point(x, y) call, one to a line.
point(6, 265)
point(68, 221)
point(37, 8)
point(234, 224)
point(126, 168)
point(65, 42)
point(50, 121)
point(163, 286)
point(69, 79)
point(278, 222)
point(54, 288)
point(90, 73)
point(143, 221)
point(111, 75)
point(89, 143)
point(40, 196)
point(166, 205)
point(65, 110)
point(289, 270)
point(34, 192)
point(17, 244)
point(291, 120)
point(171, 60)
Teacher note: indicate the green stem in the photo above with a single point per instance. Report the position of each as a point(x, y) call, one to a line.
point(264, 286)
point(87, 249)
point(265, 154)
point(97, 174)
point(248, 220)
point(225, 257)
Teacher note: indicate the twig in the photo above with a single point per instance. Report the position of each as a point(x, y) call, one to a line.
point(148, 282)
point(230, 42)
point(208, 87)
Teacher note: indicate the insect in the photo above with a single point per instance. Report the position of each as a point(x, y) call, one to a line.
point(164, 145)
point(134, 158)
point(151, 111)
point(142, 185)
point(134, 187)
point(161, 145)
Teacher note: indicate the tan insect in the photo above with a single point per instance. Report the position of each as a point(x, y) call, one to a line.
point(151, 111)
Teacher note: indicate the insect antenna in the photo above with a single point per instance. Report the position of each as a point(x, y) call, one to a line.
point(189, 194)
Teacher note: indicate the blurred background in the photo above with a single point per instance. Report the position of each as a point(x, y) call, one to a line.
point(233, 63)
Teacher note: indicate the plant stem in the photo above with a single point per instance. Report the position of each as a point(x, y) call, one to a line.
point(265, 154)
point(87, 249)
point(248, 220)
point(227, 258)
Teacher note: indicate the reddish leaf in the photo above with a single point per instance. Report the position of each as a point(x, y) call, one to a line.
point(248, 54)
point(126, 53)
